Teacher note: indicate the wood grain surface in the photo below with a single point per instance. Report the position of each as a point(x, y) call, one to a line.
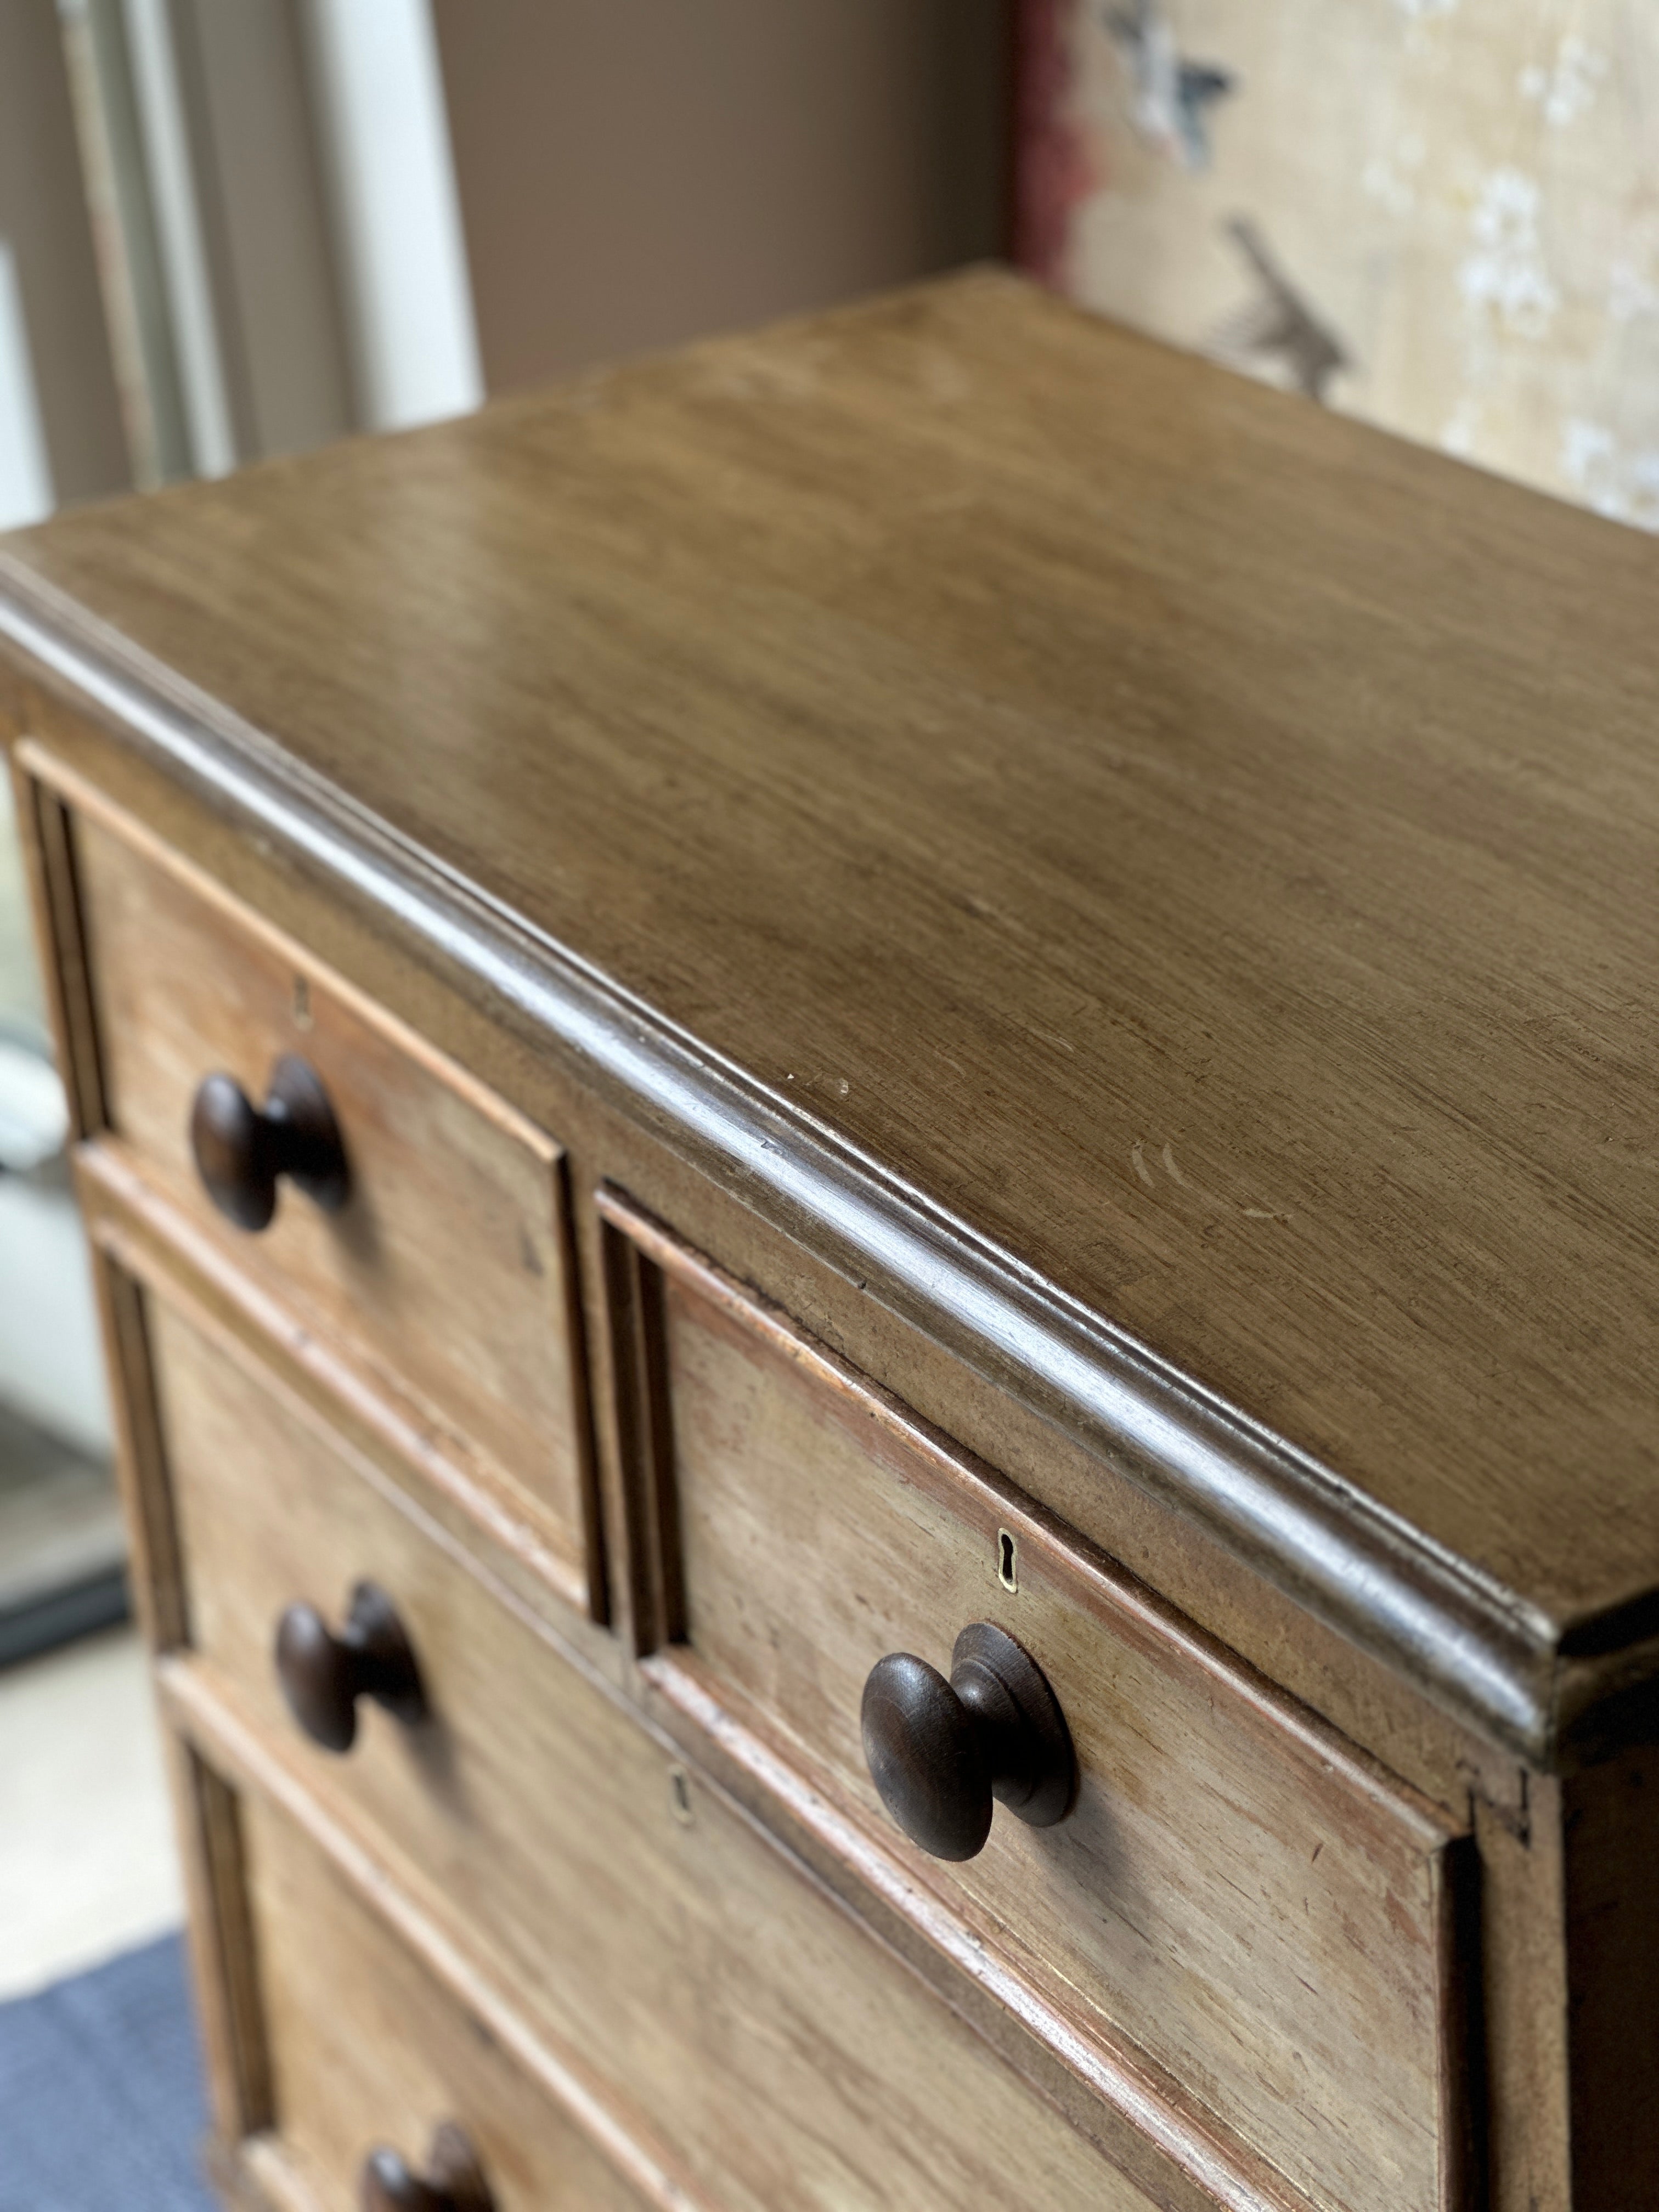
point(1196, 842)
point(730, 2014)
point(447, 1270)
point(398, 2056)
point(1253, 1903)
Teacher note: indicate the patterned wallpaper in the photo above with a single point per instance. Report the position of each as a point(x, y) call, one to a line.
point(1442, 215)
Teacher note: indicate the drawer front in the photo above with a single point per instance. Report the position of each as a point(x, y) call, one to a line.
point(366, 2051)
point(1263, 1914)
point(448, 1271)
point(748, 2028)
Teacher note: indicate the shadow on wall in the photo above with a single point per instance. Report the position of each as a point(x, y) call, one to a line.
point(632, 175)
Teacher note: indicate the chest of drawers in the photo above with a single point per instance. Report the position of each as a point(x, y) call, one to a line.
point(868, 1122)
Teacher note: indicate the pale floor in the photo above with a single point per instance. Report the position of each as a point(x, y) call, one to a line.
point(88, 1866)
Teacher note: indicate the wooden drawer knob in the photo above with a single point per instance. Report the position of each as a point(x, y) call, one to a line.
point(454, 2180)
point(323, 1674)
point(939, 1752)
point(242, 1149)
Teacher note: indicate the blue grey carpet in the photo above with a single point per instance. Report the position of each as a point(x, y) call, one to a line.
point(101, 2101)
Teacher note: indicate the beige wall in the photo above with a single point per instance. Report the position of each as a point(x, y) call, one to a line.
point(633, 173)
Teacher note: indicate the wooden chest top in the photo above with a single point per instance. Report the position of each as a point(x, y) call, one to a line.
point(1157, 881)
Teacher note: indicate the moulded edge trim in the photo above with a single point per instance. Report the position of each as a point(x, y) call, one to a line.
point(1477, 1649)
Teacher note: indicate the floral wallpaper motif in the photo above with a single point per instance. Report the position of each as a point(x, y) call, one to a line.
point(1441, 214)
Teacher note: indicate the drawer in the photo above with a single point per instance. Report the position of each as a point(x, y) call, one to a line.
point(747, 2028)
point(364, 2051)
point(446, 1277)
point(1237, 1893)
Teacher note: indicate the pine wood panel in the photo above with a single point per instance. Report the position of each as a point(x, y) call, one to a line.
point(366, 2049)
point(449, 1269)
point(775, 2052)
point(1188, 837)
point(1259, 1908)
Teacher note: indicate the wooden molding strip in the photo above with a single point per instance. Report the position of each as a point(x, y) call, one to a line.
point(1095, 1582)
point(203, 1714)
point(1472, 1646)
point(1220, 2167)
point(132, 1223)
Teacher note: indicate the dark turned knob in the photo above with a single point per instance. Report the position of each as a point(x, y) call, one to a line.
point(242, 1149)
point(323, 1674)
point(454, 2180)
point(939, 1752)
